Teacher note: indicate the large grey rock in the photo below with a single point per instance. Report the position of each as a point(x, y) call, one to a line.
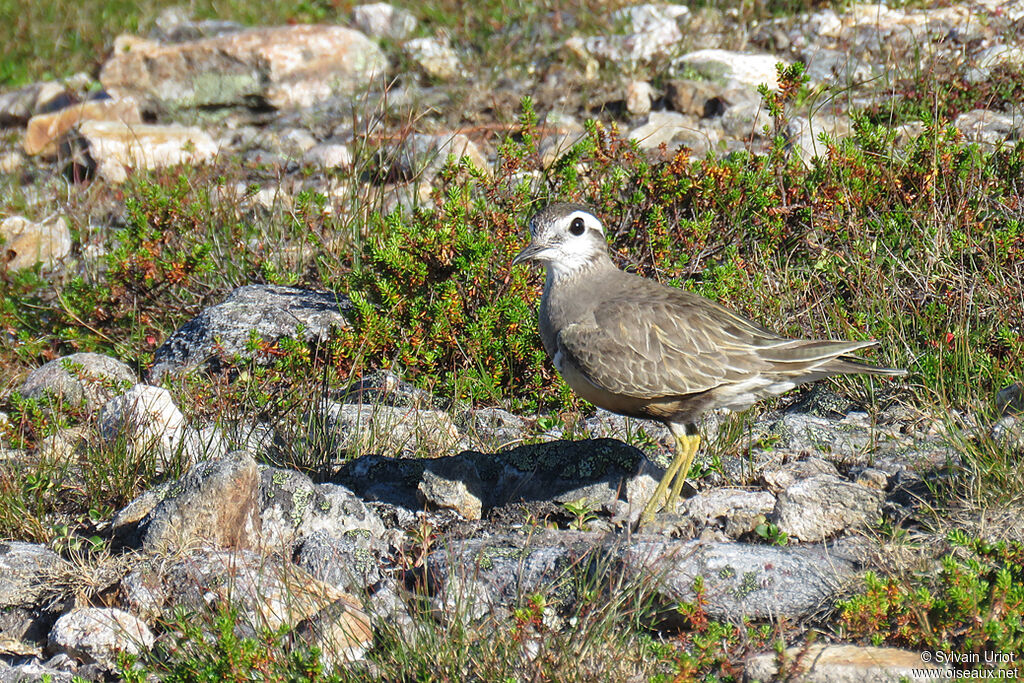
point(88, 377)
point(362, 428)
point(741, 580)
point(24, 568)
point(816, 508)
point(827, 663)
point(478, 577)
point(673, 130)
point(281, 66)
point(272, 311)
point(215, 503)
point(349, 561)
point(24, 243)
point(292, 507)
point(725, 66)
point(268, 591)
point(99, 634)
point(601, 474)
point(734, 511)
point(45, 130)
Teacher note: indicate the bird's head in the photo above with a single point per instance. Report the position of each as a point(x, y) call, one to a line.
point(567, 238)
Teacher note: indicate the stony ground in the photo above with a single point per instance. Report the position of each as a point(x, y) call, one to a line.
point(205, 442)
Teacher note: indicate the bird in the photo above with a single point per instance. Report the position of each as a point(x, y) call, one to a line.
point(643, 349)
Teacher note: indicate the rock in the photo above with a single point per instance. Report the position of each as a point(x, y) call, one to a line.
point(988, 127)
point(45, 130)
point(494, 428)
point(725, 66)
point(18, 106)
point(108, 148)
point(340, 631)
point(282, 66)
point(25, 573)
point(831, 66)
point(357, 428)
point(349, 561)
point(702, 99)
point(421, 157)
point(561, 132)
point(24, 243)
point(601, 474)
point(44, 672)
point(1008, 433)
point(80, 377)
point(11, 162)
point(382, 387)
point(269, 593)
point(780, 478)
point(827, 663)
point(804, 134)
point(746, 119)
point(215, 503)
point(997, 56)
point(758, 582)
point(328, 156)
point(381, 20)
point(674, 130)
point(436, 57)
point(99, 634)
point(818, 507)
point(1010, 399)
point(638, 98)
point(474, 578)
point(272, 311)
point(448, 483)
point(147, 419)
point(651, 31)
point(175, 25)
point(293, 507)
point(735, 511)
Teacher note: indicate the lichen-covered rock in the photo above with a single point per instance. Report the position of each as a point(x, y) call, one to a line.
point(215, 503)
point(24, 568)
point(818, 507)
point(349, 561)
point(268, 591)
point(281, 66)
point(89, 377)
point(99, 634)
point(601, 474)
point(271, 311)
point(735, 511)
point(293, 507)
point(740, 580)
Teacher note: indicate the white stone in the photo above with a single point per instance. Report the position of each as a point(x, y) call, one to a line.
point(381, 20)
point(146, 417)
point(435, 57)
point(328, 155)
point(114, 146)
point(24, 243)
point(638, 97)
point(743, 68)
point(99, 634)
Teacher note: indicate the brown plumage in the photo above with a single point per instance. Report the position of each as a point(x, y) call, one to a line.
point(639, 348)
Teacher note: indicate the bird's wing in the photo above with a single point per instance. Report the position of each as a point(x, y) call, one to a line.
point(656, 342)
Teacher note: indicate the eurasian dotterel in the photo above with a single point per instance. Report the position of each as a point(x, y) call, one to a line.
point(643, 349)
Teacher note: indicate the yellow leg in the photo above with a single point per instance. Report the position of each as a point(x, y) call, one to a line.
point(654, 504)
point(693, 443)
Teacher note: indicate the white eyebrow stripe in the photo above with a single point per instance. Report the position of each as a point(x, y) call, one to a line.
point(588, 219)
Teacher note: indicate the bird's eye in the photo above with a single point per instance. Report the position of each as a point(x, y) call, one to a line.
point(577, 226)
